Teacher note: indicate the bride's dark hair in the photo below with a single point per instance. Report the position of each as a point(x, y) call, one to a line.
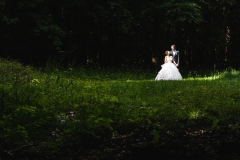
point(166, 52)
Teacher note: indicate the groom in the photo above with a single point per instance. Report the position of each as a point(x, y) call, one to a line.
point(175, 54)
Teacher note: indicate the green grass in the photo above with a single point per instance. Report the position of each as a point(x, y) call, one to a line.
point(36, 105)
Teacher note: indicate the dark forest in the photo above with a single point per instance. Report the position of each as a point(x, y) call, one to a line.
point(121, 33)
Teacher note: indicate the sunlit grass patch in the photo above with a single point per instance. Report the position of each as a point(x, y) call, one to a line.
point(103, 103)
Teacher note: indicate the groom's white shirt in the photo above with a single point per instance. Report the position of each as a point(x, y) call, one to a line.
point(174, 52)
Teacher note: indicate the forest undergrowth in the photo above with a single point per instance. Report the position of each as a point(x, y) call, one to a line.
point(79, 113)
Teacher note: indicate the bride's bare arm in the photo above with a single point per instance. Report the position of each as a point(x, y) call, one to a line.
point(174, 62)
point(165, 60)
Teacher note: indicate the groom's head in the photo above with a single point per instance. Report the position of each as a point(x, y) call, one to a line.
point(173, 47)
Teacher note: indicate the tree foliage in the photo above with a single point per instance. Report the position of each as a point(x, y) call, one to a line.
point(120, 33)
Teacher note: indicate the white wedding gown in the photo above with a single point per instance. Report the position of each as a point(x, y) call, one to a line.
point(168, 72)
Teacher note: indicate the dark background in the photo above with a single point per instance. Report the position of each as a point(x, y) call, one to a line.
point(121, 33)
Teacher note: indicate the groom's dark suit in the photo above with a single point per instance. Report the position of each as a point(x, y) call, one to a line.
point(175, 56)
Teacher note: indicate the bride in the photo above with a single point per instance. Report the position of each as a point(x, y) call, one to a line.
point(169, 70)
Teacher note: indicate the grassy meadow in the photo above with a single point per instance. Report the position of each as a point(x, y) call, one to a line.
point(94, 114)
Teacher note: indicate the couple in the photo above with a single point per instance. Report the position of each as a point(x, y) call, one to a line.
point(169, 69)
